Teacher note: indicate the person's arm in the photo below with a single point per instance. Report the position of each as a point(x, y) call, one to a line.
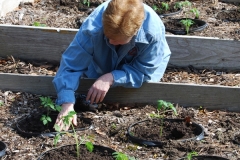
point(150, 65)
point(75, 60)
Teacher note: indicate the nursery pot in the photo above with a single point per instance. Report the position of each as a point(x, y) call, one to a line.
point(3, 148)
point(179, 29)
point(171, 14)
point(206, 157)
point(197, 130)
point(229, 15)
point(69, 152)
point(46, 130)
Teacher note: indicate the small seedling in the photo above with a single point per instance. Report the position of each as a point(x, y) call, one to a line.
point(196, 12)
point(178, 5)
point(187, 23)
point(113, 126)
point(48, 103)
point(86, 2)
point(122, 156)
point(165, 6)
point(163, 105)
point(38, 24)
point(1, 103)
point(186, 3)
point(67, 121)
point(155, 8)
point(191, 154)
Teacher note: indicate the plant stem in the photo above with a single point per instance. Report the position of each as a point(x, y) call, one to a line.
point(76, 139)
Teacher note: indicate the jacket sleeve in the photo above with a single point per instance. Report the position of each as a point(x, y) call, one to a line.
point(150, 65)
point(74, 62)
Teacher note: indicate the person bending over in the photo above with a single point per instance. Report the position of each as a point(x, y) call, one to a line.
point(121, 43)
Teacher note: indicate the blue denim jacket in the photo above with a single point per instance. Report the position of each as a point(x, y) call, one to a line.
point(143, 59)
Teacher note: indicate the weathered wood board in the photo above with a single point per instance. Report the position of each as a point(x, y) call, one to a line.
point(47, 44)
point(211, 97)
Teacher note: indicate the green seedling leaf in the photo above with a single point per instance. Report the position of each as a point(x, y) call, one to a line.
point(58, 108)
point(57, 128)
point(155, 8)
point(165, 6)
point(187, 23)
point(89, 146)
point(191, 154)
point(56, 138)
point(120, 156)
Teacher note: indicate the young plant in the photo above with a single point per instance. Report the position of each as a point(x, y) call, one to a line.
point(165, 6)
point(86, 2)
point(38, 24)
point(165, 106)
point(196, 12)
point(50, 106)
point(67, 121)
point(155, 8)
point(185, 3)
point(122, 156)
point(187, 23)
point(191, 154)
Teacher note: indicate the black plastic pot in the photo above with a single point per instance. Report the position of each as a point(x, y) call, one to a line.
point(50, 133)
point(180, 29)
point(105, 150)
point(171, 14)
point(206, 157)
point(3, 148)
point(145, 142)
point(229, 15)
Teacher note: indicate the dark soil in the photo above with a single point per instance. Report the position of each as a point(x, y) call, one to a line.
point(229, 15)
point(69, 152)
point(31, 126)
point(156, 130)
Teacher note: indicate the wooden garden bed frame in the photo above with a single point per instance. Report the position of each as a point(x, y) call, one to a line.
point(47, 44)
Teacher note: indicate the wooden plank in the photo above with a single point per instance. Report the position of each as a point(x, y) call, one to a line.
point(238, 1)
point(34, 43)
point(47, 44)
point(211, 97)
point(204, 52)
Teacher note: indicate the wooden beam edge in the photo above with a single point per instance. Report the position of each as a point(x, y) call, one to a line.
point(209, 96)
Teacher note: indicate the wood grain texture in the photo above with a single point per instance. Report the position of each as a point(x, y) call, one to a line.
point(48, 44)
point(211, 97)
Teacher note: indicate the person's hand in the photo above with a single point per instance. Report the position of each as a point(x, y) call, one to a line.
point(100, 87)
point(66, 108)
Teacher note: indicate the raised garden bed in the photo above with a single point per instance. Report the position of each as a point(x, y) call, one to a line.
point(203, 103)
